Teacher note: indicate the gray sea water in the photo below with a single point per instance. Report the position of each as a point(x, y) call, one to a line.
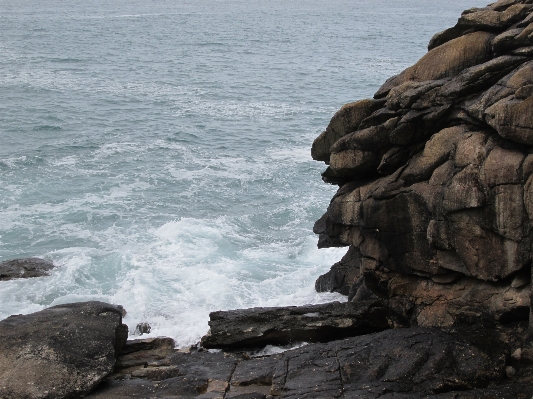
point(158, 151)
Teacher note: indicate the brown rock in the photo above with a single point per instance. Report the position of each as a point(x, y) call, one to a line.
point(517, 355)
point(445, 61)
point(345, 121)
point(512, 119)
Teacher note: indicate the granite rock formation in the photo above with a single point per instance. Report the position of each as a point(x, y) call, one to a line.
point(61, 352)
point(435, 176)
point(24, 268)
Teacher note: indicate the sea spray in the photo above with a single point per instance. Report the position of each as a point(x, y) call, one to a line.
point(158, 153)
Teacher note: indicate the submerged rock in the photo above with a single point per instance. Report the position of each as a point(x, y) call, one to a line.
point(60, 352)
point(142, 328)
point(24, 268)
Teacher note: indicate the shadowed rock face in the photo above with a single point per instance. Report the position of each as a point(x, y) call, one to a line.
point(24, 268)
point(436, 176)
point(409, 363)
point(61, 352)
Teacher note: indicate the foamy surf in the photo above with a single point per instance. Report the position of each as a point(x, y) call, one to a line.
point(179, 273)
point(174, 178)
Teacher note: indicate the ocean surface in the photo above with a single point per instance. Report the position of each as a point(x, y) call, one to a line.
point(158, 151)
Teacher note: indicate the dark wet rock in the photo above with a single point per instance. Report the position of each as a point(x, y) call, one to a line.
point(60, 352)
point(159, 371)
point(417, 361)
point(141, 352)
point(142, 328)
point(24, 268)
point(342, 275)
point(281, 326)
point(401, 363)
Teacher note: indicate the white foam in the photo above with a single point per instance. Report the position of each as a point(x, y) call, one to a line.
point(66, 161)
point(14, 161)
point(174, 277)
point(188, 271)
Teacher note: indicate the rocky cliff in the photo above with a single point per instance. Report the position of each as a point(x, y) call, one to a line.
point(435, 205)
point(435, 176)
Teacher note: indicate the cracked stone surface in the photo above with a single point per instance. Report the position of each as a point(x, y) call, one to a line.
point(286, 325)
point(465, 362)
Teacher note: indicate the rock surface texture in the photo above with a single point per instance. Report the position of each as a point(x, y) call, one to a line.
point(24, 268)
point(435, 205)
point(284, 326)
point(409, 363)
point(61, 352)
point(435, 176)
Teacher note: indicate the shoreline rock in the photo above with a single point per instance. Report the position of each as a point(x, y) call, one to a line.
point(256, 327)
point(460, 362)
point(435, 205)
point(24, 268)
point(60, 352)
point(435, 177)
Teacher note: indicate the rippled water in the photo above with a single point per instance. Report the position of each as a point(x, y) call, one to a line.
point(158, 151)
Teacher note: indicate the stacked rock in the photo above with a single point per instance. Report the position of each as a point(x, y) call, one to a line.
point(436, 177)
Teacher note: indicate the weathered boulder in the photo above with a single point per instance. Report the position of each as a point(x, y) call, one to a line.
point(494, 18)
point(24, 268)
point(445, 61)
point(435, 183)
point(60, 352)
point(450, 299)
point(281, 326)
point(345, 121)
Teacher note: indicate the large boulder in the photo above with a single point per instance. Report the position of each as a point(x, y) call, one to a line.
point(436, 181)
point(446, 60)
point(60, 352)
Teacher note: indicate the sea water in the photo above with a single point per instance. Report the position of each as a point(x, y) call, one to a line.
point(158, 151)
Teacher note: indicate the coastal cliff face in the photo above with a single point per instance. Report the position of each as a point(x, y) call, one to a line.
point(436, 178)
point(435, 205)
